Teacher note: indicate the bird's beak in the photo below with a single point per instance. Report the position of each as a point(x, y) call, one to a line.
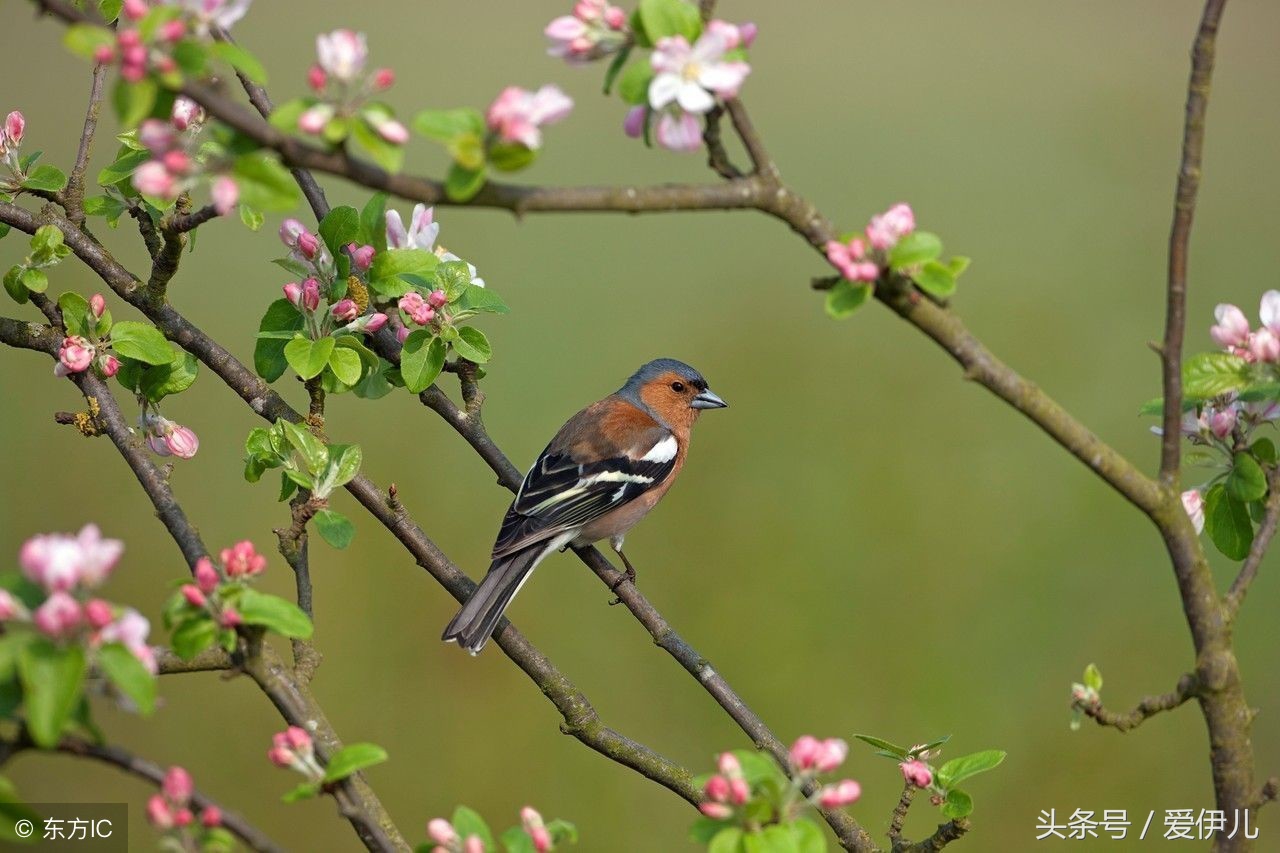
point(708, 399)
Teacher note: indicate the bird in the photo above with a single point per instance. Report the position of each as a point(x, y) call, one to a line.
point(601, 473)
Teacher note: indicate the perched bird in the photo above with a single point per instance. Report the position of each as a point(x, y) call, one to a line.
point(604, 470)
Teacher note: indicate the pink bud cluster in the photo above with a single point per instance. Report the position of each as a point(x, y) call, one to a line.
point(77, 353)
point(447, 839)
point(810, 757)
point(67, 567)
point(174, 167)
point(421, 311)
point(863, 256)
point(138, 58)
point(293, 749)
point(239, 562)
point(726, 790)
point(307, 248)
point(594, 29)
point(170, 811)
point(728, 793)
point(517, 115)
point(11, 133)
point(168, 438)
point(1233, 333)
point(343, 86)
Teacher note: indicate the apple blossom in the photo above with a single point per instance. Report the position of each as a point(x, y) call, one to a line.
point(734, 36)
point(152, 178)
point(211, 817)
point(442, 832)
point(315, 119)
point(177, 785)
point(243, 560)
point(595, 29)
point(387, 127)
point(383, 79)
point(437, 299)
point(206, 575)
point(311, 294)
point(293, 293)
point(851, 259)
point(225, 192)
point(1193, 503)
point(1222, 421)
point(361, 256)
point(533, 824)
point(473, 844)
point(173, 31)
point(98, 613)
point(886, 229)
point(716, 811)
point(1232, 328)
point(692, 75)
point(74, 356)
point(717, 788)
point(159, 814)
point(1269, 310)
point(840, 794)
point(130, 629)
point(98, 305)
point(317, 79)
point(417, 308)
point(421, 233)
point(342, 54)
point(11, 138)
point(916, 773)
point(210, 15)
point(230, 618)
point(678, 130)
point(345, 311)
point(59, 616)
point(59, 561)
point(193, 595)
point(517, 115)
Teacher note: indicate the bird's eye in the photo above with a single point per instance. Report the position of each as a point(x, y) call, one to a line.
point(678, 387)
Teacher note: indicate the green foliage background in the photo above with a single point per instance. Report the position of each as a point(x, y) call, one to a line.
point(863, 542)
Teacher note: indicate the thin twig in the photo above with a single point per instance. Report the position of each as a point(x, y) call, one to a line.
point(73, 195)
point(1149, 706)
point(900, 813)
point(1202, 55)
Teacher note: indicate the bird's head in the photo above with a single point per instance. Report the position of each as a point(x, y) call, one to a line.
point(672, 391)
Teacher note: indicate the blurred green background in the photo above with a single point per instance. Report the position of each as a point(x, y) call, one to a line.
point(864, 542)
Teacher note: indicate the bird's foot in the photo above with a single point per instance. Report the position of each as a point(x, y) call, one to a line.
point(628, 576)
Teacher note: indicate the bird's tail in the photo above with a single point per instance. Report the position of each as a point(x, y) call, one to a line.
point(476, 620)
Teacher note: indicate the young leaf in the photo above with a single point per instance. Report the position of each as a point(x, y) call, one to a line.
point(516, 840)
point(52, 678)
point(467, 822)
point(340, 227)
point(344, 463)
point(958, 804)
point(915, 248)
point(1093, 677)
point(481, 300)
point(1209, 374)
point(161, 380)
point(421, 360)
point(611, 74)
point(195, 635)
point(461, 184)
point(1247, 481)
point(274, 614)
point(845, 298)
point(312, 449)
point(133, 101)
point(129, 676)
point(47, 178)
point(1227, 522)
point(373, 223)
point(444, 125)
point(472, 345)
point(308, 357)
point(264, 183)
point(958, 769)
point(346, 365)
point(124, 166)
point(386, 154)
point(633, 85)
point(334, 528)
point(353, 758)
point(936, 280)
point(268, 353)
point(141, 342)
point(75, 313)
point(304, 791)
point(240, 59)
point(879, 743)
point(664, 18)
point(509, 156)
point(727, 840)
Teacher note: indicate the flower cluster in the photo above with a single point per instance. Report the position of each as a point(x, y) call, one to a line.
point(339, 314)
point(594, 30)
point(517, 115)
point(862, 256)
point(689, 77)
point(746, 790)
point(175, 166)
point(78, 352)
point(1233, 333)
point(170, 812)
point(293, 750)
point(138, 54)
point(68, 568)
point(239, 562)
point(418, 308)
point(463, 834)
point(343, 87)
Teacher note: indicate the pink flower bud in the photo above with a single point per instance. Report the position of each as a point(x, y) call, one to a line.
point(442, 832)
point(1223, 421)
point(345, 311)
point(917, 773)
point(132, 72)
point(375, 322)
point(225, 192)
point(182, 442)
point(211, 817)
point(128, 38)
point(633, 124)
point(615, 18)
point(156, 136)
point(193, 595)
point(135, 55)
point(290, 230)
point(748, 33)
point(177, 162)
point(103, 54)
point(9, 606)
point(361, 256)
point(293, 292)
point(177, 785)
point(831, 755)
point(109, 365)
point(134, 10)
point(437, 299)
point(1264, 345)
point(75, 355)
point(716, 811)
point(311, 294)
point(98, 613)
point(158, 813)
point(1232, 328)
point(316, 78)
point(739, 791)
point(166, 65)
point(839, 795)
point(383, 79)
point(230, 618)
point(401, 333)
point(315, 119)
point(206, 576)
point(729, 765)
point(173, 31)
point(183, 817)
point(152, 178)
point(473, 844)
point(59, 616)
point(804, 752)
point(541, 839)
point(97, 304)
point(14, 125)
point(717, 789)
point(243, 560)
point(308, 245)
point(886, 229)
point(1193, 503)
point(417, 308)
point(388, 128)
point(298, 740)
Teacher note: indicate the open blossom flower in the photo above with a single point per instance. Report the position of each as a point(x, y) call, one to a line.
point(677, 130)
point(1232, 328)
point(517, 115)
point(595, 29)
point(342, 54)
point(243, 560)
point(851, 259)
point(59, 561)
point(886, 229)
point(208, 15)
point(1193, 503)
point(131, 630)
point(421, 233)
point(74, 356)
point(734, 36)
point(691, 76)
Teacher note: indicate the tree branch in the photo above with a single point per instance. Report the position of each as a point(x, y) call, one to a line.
point(1148, 707)
point(73, 195)
point(1184, 207)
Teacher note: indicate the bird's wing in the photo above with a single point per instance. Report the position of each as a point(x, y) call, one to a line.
point(571, 485)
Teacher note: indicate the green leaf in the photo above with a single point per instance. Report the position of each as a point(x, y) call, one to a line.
point(467, 150)
point(845, 298)
point(808, 837)
point(611, 73)
point(516, 840)
point(633, 84)
point(268, 353)
point(76, 316)
point(141, 342)
point(510, 156)
point(958, 769)
point(52, 678)
point(84, 39)
point(957, 265)
point(1209, 374)
point(878, 743)
point(334, 528)
point(467, 822)
point(35, 280)
point(915, 248)
point(936, 280)
point(1247, 481)
point(344, 463)
point(373, 222)
point(353, 758)
point(1228, 524)
point(264, 184)
point(162, 380)
point(13, 810)
point(304, 791)
point(670, 18)
point(386, 154)
point(346, 365)
point(958, 804)
point(1265, 450)
point(240, 59)
point(1093, 677)
point(727, 840)
point(314, 454)
point(106, 206)
point(47, 178)
point(562, 831)
point(193, 636)
point(473, 345)
point(481, 300)
point(461, 184)
point(340, 227)
point(129, 676)
point(397, 262)
point(308, 357)
point(421, 360)
point(13, 284)
point(444, 125)
point(273, 613)
point(124, 166)
point(133, 101)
